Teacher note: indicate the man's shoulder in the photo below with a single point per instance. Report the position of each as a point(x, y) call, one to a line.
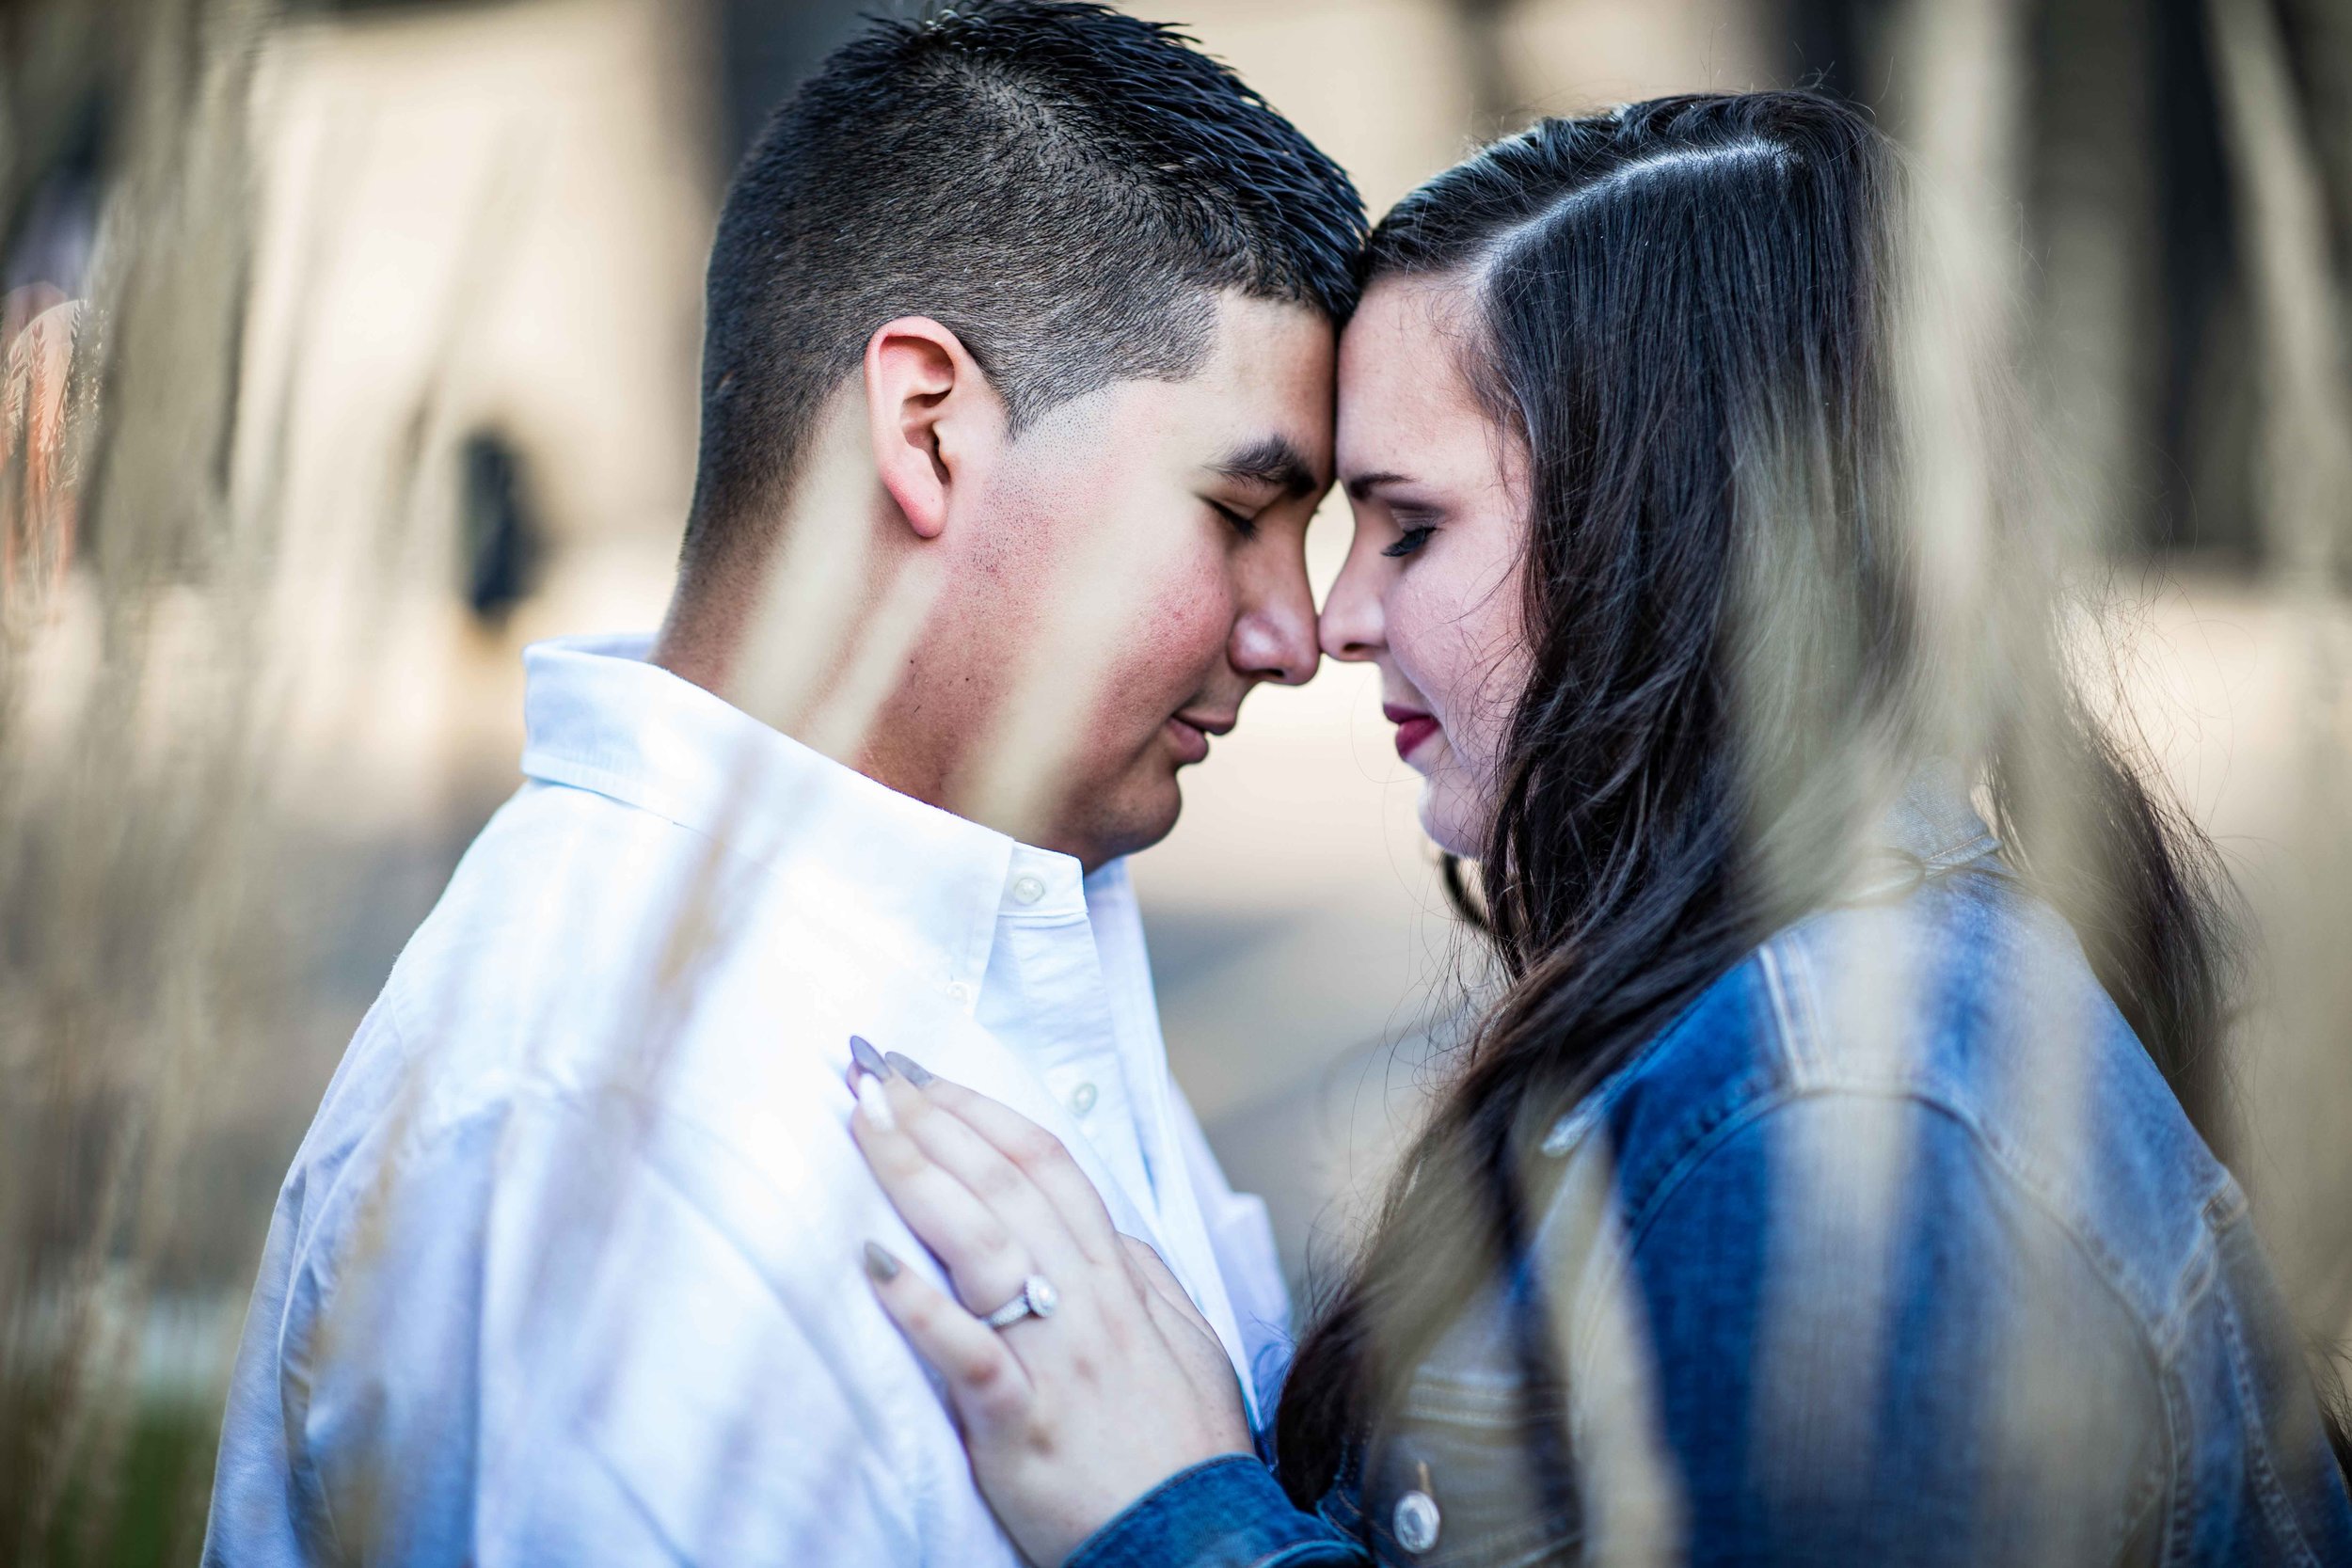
point(555, 868)
point(591, 964)
point(590, 1150)
point(574, 917)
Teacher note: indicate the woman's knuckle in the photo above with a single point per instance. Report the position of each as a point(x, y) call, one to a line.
point(1038, 1433)
point(1002, 1399)
point(989, 1237)
point(1036, 1149)
point(996, 1181)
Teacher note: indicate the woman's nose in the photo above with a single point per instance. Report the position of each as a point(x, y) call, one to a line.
point(1351, 628)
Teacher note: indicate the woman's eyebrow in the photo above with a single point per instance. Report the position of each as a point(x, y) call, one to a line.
point(1364, 485)
point(1271, 461)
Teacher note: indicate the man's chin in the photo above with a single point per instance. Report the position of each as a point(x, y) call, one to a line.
point(1131, 819)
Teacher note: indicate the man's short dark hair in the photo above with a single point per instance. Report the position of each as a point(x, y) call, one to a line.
point(1064, 188)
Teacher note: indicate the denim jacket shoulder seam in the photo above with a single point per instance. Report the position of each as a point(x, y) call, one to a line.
point(1569, 1131)
point(1796, 1013)
point(2163, 1322)
point(1628, 1239)
point(1772, 1071)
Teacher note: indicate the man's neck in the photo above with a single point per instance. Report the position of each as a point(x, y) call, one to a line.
point(699, 644)
point(703, 645)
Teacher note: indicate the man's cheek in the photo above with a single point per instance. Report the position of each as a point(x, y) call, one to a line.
point(1195, 627)
point(1176, 643)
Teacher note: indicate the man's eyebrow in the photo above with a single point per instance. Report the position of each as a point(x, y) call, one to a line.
point(1364, 485)
point(1272, 462)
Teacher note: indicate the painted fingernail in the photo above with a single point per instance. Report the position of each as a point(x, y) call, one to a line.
point(914, 1072)
point(867, 1057)
point(880, 1264)
point(877, 1104)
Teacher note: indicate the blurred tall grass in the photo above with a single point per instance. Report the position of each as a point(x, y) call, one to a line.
point(185, 940)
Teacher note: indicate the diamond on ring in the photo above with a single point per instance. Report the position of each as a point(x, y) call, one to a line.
point(1037, 1299)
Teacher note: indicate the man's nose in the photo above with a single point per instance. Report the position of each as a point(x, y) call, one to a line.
point(1274, 640)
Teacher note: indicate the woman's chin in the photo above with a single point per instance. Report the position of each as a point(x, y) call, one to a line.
point(1453, 825)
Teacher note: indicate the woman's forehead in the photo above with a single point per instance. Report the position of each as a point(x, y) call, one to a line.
point(1401, 368)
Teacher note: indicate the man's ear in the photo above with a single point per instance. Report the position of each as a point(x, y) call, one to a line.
point(928, 406)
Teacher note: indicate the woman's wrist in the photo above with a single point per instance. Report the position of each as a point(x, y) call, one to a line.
point(1226, 1511)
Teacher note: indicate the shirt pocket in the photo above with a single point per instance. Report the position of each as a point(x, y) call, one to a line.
point(1462, 1477)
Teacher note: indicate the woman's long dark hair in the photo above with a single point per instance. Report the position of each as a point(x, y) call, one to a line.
point(1689, 313)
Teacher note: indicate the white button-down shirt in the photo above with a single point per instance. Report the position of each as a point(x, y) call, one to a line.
point(567, 1268)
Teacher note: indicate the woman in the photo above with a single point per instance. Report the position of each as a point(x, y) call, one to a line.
point(1820, 1187)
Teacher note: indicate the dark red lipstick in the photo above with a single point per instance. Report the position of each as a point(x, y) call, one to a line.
point(1413, 728)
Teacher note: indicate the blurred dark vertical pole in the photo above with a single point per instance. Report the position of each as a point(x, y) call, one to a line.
point(2127, 191)
point(1835, 47)
point(1493, 102)
point(769, 47)
point(2206, 413)
point(2318, 35)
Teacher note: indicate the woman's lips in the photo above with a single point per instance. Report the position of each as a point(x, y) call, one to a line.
point(1413, 728)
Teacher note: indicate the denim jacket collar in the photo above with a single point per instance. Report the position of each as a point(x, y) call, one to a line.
point(1933, 822)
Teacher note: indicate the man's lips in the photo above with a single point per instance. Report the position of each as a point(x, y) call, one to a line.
point(1191, 732)
point(1413, 727)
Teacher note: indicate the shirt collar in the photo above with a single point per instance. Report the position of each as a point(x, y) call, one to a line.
point(596, 716)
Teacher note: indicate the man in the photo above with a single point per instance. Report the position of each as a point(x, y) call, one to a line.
point(1016, 400)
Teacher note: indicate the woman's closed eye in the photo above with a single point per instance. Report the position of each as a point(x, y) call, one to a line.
point(1409, 540)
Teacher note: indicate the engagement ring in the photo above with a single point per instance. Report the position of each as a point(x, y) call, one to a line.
point(1037, 1299)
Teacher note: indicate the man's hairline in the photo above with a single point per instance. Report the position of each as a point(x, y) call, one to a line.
point(785, 494)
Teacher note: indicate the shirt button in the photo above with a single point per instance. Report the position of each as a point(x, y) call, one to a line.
point(1415, 1521)
point(959, 993)
point(1081, 1098)
point(1027, 890)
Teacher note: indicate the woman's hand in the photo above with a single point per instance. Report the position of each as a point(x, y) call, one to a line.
point(1070, 1416)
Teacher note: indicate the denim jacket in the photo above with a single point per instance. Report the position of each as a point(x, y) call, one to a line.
point(1893, 1247)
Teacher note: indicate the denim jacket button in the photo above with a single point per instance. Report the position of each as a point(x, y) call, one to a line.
point(1415, 1521)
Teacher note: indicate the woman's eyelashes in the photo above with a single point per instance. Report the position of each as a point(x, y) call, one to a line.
point(1408, 540)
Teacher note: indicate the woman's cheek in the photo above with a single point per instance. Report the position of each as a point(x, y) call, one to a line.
point(1438, 653)
point(1408, 622)
point(1470, 668)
